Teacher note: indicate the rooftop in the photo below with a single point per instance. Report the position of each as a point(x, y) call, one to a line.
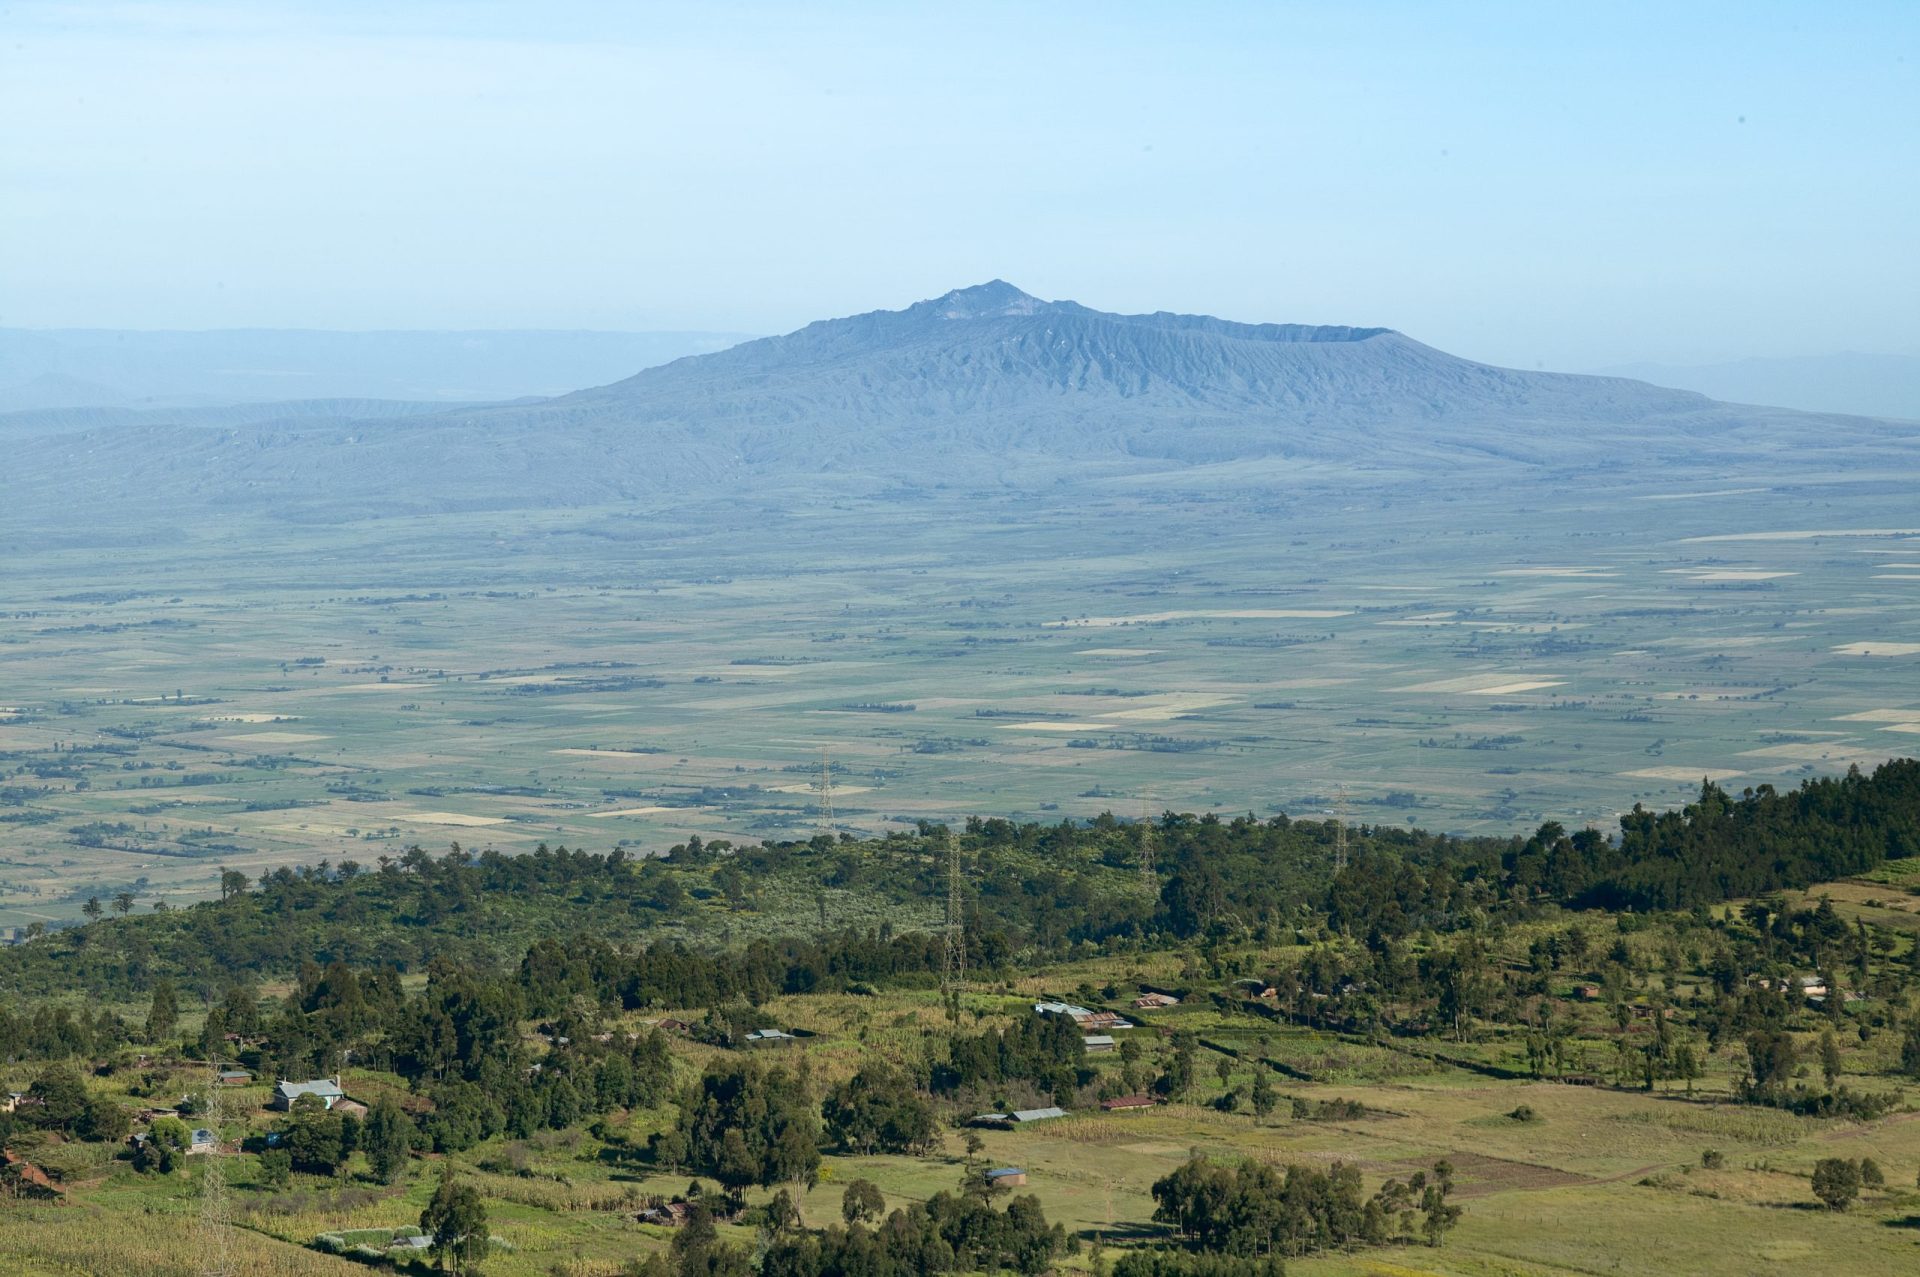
point(322, 1087)
point(1037, 1115)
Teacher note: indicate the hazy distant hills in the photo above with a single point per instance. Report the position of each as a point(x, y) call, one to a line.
point(1871, 385)
point(985, 386)
point(117, 368)
point(282, 413)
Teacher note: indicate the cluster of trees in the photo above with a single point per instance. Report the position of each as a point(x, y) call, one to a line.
point(318, 1140)
point(457, 1042)
point(1740, 967)
point(672, 974)
point(480, 910)
point(1047, 1051)
point(165, 1146)
point(1720, 848)
point(58, 1100)
point(54, 1031)
point(1256, 1209)
point(1772, 1060)
point(1837, 1181)
point(1716, 848)
point(879, 1110)
point(949, 1233)
point(745, 1123)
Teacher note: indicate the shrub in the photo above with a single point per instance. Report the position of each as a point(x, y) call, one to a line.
point(1836, 1181)
point(276, 1167)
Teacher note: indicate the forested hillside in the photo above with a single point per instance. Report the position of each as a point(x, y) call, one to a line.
point(482, 1031)
point(1038, 889)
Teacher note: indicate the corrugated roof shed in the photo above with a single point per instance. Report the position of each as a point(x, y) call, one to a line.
point(1038, 1115)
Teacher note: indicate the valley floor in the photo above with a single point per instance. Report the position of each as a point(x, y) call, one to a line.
point(1474, 660)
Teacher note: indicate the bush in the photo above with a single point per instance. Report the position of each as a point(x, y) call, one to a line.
point(103, 1121)
point(276, 1167)
point(1713, 1159)
point(508, 1159)
point(1524, 1113)
point(1836, 1181)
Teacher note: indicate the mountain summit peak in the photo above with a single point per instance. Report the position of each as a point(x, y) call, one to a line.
point(990, 300)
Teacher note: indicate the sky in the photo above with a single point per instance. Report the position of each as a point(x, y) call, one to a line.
point(1539, 185)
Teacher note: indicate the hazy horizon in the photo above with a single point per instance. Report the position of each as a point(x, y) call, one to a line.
point(1535, 190)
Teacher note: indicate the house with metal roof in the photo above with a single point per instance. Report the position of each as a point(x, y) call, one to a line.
point(1063, 1008)
point(325, 1089)
point(1037, 1115)
point(770, 1037)
point(1125, 1103)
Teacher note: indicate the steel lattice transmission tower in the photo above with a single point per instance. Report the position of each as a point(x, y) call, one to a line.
point(826, 794)
point(216, 1224)
point(1147, 878)
point(953, 974)
point(1340, 814)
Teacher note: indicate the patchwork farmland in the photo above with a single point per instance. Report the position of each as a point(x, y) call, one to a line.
point(626, 676)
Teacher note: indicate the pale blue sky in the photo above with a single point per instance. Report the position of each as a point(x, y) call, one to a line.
point(1532, 184)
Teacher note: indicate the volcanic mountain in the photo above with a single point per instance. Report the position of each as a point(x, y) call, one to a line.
point(984, 386)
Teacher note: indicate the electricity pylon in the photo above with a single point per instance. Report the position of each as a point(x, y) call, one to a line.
point(1340, 830)
point(1147, 878)
point(953, 972)
point(216, 1258)
point(826, 794)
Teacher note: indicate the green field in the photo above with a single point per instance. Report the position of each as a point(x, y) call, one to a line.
point(1475, 661)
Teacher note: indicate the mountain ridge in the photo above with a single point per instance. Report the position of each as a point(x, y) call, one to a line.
point(986, 386)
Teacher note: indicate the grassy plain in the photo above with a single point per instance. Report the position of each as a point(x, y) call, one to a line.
point(263, 694)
